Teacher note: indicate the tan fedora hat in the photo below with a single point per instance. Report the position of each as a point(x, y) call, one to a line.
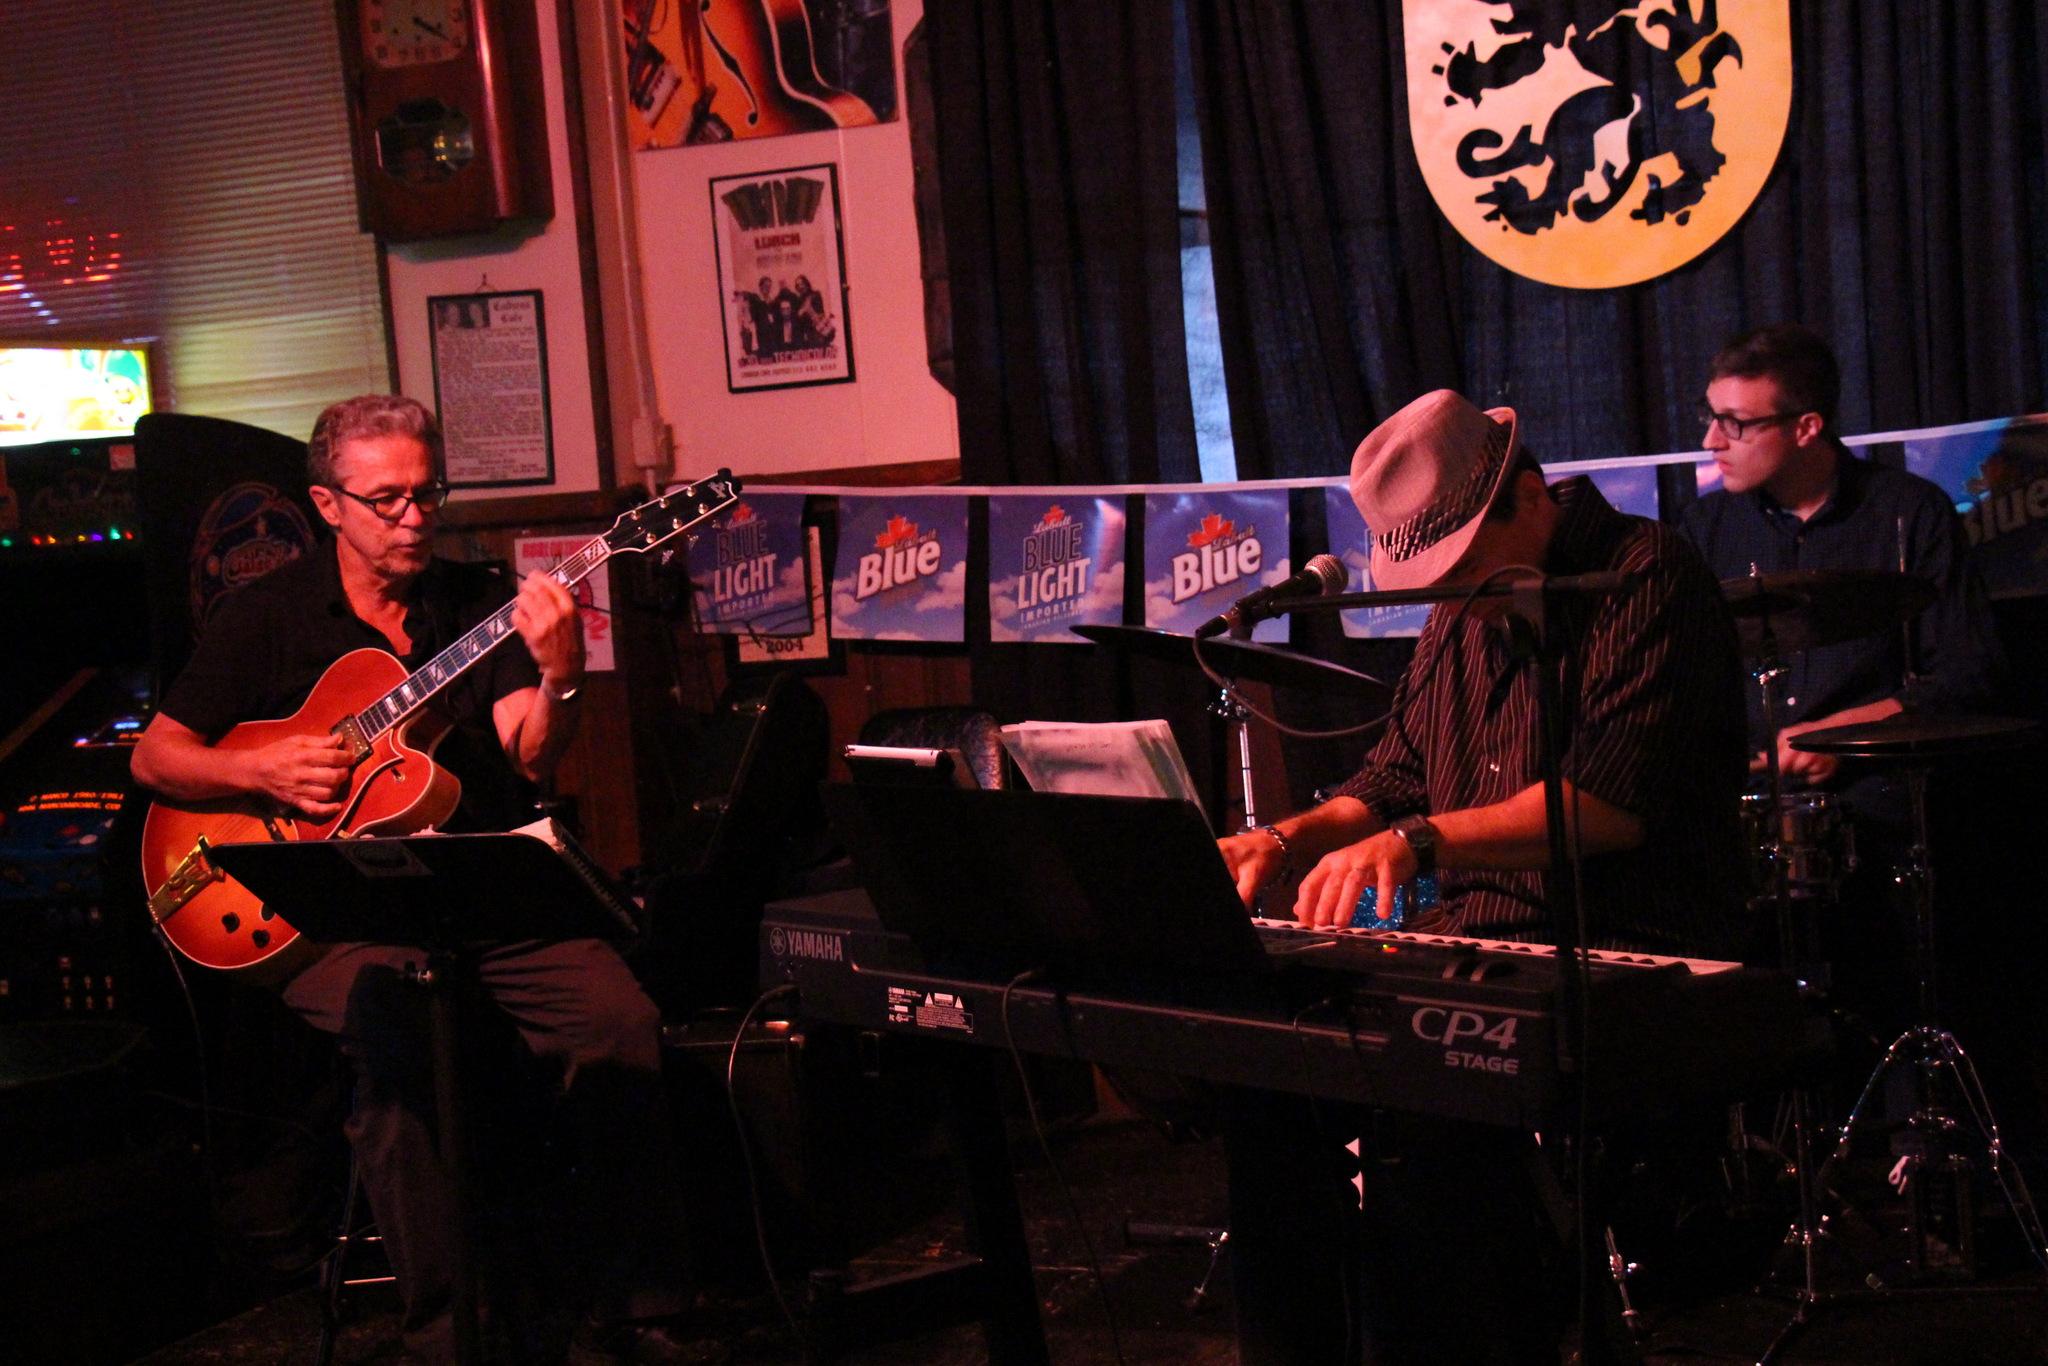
point(1423, 480)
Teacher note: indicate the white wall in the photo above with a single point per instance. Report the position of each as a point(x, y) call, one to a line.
point(547, 262)
point(894, 411)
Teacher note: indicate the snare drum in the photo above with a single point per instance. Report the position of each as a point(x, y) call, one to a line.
point(1818, 840)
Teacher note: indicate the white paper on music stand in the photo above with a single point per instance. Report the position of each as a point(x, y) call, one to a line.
point(1110, 759)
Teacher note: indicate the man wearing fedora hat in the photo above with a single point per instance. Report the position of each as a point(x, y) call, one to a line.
point(1654, 767)
point(1461, 1264)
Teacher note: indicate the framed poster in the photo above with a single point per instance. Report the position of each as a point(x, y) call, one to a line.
point(782, 279)
point(491, 388)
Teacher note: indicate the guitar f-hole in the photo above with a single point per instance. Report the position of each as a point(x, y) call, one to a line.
point(731, 62)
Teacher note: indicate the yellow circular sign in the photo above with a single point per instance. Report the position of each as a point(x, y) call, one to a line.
point(1602, 157)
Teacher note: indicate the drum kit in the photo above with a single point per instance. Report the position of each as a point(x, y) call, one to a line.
point(1804, 845)
point(1803, 850)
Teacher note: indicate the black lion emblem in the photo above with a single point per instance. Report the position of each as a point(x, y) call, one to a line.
point(1644, 86)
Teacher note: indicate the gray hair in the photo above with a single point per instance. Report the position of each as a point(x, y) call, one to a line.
point(366, 417)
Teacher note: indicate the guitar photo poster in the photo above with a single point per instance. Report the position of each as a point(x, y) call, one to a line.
point(701, 71)
point(782, 279)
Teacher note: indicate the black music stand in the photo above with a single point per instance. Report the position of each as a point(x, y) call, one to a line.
point(442, 894)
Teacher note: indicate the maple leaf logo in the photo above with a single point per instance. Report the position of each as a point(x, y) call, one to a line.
point(1213, 528)
point(900, 529)
point(1054, 515)
point(740, 513)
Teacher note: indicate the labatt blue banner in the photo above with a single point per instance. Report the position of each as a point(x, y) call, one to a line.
point(747, 574)
point(1205, 550)
point(1054, 561)
point(1997, 473)
point(901, 570)
point(1352, 543)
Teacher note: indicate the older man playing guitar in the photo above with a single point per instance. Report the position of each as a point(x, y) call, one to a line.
point(374, 465)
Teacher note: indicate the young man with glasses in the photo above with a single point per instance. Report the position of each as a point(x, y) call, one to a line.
point(374, 463)
point(1792, 497)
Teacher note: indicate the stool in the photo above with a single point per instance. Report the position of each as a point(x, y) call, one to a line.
point(334, 1278)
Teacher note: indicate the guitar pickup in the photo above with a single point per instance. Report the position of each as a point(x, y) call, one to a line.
point(193, 875)
point(350, 729)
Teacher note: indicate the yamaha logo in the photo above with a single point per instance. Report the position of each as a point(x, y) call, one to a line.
point(825, 948)
point(1597, 145)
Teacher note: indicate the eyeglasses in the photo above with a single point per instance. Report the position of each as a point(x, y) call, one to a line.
point(1739, 428)
point(391, 506)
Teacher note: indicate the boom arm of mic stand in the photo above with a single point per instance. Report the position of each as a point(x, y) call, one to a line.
point(1603, 583)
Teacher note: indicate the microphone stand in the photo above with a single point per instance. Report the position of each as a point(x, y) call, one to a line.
point(1531, 601)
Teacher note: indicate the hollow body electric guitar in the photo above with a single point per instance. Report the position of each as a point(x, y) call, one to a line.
point(379, 711)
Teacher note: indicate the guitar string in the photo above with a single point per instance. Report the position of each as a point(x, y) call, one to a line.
point(393, 707)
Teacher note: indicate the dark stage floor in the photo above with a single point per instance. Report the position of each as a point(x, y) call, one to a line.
point(1126, 1170)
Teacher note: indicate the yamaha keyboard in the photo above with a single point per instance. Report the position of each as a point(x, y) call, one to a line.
point(1455, 1027)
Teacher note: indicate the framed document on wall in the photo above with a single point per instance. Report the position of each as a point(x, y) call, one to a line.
point(782, 279)
point(491, 388)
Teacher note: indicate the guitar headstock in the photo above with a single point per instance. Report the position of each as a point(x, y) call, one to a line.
point(663, 519)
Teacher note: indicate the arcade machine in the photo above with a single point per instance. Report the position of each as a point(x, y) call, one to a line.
point(114, 541)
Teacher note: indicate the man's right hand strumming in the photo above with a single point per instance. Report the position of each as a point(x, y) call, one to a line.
point(304, 773)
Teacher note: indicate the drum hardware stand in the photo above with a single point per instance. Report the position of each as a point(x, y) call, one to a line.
point(1933, 1158)
point(1810, 1225)
point(1234, 714)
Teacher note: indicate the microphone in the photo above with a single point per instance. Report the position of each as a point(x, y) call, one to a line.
point(1322, 575)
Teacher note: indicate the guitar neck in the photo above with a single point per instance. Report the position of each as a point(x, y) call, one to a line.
point(447, 666)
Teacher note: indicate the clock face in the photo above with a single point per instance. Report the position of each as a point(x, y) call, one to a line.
point(414, 32)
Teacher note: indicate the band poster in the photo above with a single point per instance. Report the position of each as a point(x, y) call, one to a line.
point(537, 554)
point(901, 569)
point(1054, 562)
point(747, 576)
point(705, 71)
point(491, 388)
point(782, 279)
point(1204, 551)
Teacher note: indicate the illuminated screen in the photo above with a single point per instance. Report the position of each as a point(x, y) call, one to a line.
point(57, 393)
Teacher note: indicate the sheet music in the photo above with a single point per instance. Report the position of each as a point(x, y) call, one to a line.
point(586, 868)
point(1109, 759)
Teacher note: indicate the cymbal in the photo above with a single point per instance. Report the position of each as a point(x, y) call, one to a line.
point(1810, 607)
point(1242, 659)
point(1914, 735)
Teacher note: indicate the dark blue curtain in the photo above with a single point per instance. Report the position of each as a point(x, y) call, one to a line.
point(1906, 220)
point(1058, 181)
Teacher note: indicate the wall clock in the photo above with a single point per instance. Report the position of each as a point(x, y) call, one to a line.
point(447, 115)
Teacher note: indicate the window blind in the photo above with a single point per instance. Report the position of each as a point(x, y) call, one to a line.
point(180, 171)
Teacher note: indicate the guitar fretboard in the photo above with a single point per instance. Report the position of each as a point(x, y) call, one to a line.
point(445, 667)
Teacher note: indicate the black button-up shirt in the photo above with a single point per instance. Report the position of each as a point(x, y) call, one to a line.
point(268, 643)
point(1956, 648)
point(1652, 692)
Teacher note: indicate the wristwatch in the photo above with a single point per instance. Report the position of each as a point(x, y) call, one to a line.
point(565, 695)
point(1422, 838)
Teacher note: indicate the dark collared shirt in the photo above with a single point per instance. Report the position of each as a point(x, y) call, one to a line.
point(1653, 692)
point(269, 642)
point(1956, 651)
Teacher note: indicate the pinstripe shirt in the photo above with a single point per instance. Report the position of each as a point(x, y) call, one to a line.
point(1653, 696)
